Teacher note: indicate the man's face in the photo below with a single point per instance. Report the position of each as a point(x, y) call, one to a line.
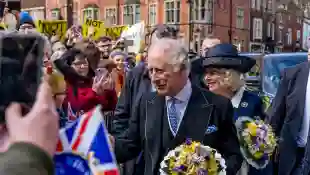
point(104, 47)
point(208, 43)
point(162, 74)
point(26, 28)
point(59, 47)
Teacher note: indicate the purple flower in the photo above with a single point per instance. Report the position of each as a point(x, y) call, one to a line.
point(202, 172)
point(180, 168)
point(188, 141)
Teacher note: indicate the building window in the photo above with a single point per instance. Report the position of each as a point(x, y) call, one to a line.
point(172, 11)
point(256, 4)
point(91, 13)
point(272, 30)
point(55, 14)
point(289, 36)
point(199, 10)
point(269, 5)
point(209, 16)
point(280, 17)
point(37, 14)
point(203, 12)
point(152, 14)
point(280, 36)
point(257, 28)
point(137, 13)
point(299, 21)
point(240, 18)
point(131, 14)
point(110, 15)
point(269, 29)
point(298, 33)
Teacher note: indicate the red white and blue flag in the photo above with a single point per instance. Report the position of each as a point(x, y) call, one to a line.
point(72, 116)
point(86, 136)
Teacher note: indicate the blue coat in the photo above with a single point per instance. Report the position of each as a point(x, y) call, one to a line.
point(251, 105)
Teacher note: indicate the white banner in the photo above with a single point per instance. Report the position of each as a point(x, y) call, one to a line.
point(136, 34)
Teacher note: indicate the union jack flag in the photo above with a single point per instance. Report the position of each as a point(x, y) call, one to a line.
point(71, 114)
point(88, 136)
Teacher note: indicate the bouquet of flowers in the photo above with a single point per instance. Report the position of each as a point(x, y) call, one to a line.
point(257, 141)
point(193, 158)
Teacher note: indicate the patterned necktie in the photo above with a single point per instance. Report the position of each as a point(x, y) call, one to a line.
point(173, 116)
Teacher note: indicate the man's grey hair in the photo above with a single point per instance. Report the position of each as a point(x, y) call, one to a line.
point(175, 51)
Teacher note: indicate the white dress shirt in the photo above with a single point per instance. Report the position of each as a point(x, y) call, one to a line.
point(236, 99)
point(303, 133)
point(182, 100)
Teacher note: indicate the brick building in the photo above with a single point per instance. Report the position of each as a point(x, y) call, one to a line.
point(36, 8)
point(289, 23)
point(275, 25)
point(209, 17)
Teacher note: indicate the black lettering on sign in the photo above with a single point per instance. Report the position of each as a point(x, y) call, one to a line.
point(88, 22)
point(94, 23)
point(114, 32)
point(52, 27)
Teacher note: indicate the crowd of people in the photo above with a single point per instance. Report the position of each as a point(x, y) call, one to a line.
point(158, 98)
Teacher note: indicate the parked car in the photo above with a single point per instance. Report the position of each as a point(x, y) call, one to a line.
point(265, 76)
point(273, 65)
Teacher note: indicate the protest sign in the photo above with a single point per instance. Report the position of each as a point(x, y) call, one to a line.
point(136, 34)
point(114, 32)
point(97, 26)
point(51, 28)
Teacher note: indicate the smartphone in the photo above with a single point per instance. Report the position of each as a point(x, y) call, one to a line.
point(2, 7)
point(21, 62)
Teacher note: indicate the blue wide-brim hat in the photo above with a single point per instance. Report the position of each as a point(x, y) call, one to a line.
point(226, 56)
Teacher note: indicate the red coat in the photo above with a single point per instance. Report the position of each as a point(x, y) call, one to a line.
point(83, 98)
point(79, 88)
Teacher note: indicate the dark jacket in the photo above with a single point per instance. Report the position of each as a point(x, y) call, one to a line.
point(137, 82)
point(286, 115)
point(250, 105)
point(149, 130)
point(24, 158)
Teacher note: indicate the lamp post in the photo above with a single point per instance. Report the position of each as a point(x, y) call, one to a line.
point(69, 13)
point(190, 23)
point(230, 21)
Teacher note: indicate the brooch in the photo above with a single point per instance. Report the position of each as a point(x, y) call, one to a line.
point(244, 104)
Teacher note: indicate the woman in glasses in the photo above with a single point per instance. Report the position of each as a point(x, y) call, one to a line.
point(84, 89)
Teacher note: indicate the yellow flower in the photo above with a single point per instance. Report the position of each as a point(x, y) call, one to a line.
point(252, 127)
point(258, 155)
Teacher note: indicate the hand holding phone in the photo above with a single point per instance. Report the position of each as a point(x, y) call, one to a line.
point(102, 81)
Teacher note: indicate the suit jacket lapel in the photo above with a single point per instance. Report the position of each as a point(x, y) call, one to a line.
point(154, 116)
point(196, 118)
point(302, 84)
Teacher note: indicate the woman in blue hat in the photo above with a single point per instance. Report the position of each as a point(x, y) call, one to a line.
point(223, 75)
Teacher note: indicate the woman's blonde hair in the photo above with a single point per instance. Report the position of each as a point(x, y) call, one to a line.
point(232, 79)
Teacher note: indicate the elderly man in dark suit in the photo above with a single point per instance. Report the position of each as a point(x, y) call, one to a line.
point(178, 110)
point(137, 83)
point(290, 118)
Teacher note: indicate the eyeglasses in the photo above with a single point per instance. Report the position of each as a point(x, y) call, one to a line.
point(80, 63)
